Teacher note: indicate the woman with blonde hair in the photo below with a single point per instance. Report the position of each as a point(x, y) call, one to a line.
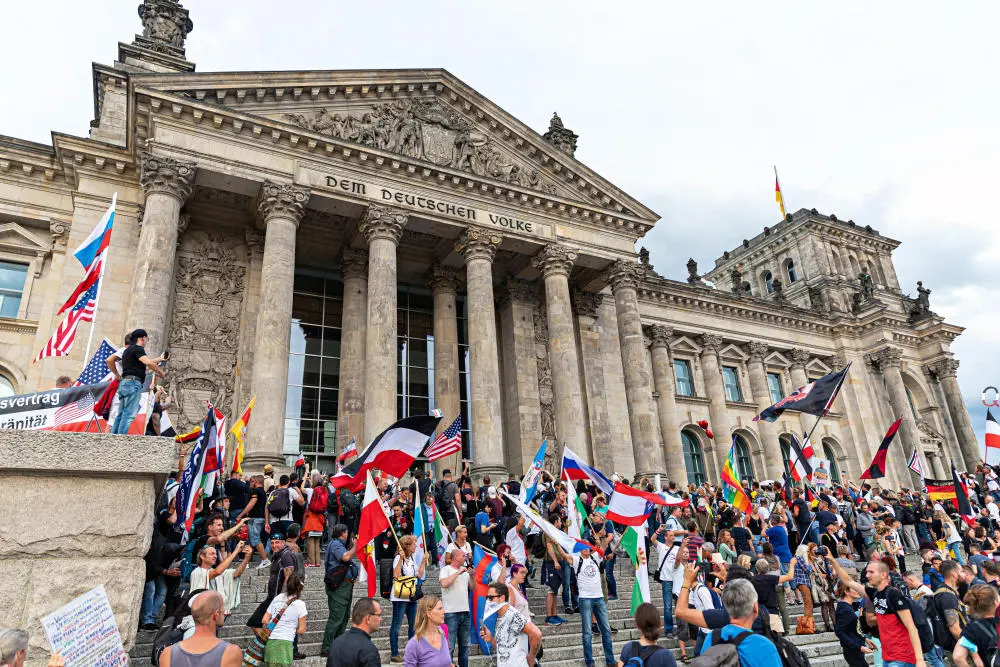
point(951, 536)
point(727, 546)
point(744, 561)
point(405, 574)
point(428, 647)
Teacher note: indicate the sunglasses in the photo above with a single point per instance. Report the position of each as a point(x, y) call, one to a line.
point(492, 597)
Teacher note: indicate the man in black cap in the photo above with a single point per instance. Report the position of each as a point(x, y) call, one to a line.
point(282, 565)
point(133, 375)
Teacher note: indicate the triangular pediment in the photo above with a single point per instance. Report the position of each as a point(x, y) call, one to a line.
point(776, 359)
point(425, 115)
point(818, 367)
point(14, 237)
point(733, 353)
point(685, 345)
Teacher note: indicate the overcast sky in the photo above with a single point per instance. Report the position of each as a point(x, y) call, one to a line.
point(886, 113)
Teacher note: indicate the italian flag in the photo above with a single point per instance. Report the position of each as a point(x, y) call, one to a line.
point(634, 543)
point(575, 511)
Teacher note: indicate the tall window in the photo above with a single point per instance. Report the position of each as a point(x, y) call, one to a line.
point(682, 371)
point(12, 277)
point(790, 271)
point(744, 466)
point(774, 387)
point(768, 282)
point(834, 468)
point(731, 378)
point(693, 461)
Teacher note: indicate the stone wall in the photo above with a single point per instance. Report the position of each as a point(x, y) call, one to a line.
point(76, 511)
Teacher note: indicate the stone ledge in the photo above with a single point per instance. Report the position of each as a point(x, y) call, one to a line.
point(42, 452)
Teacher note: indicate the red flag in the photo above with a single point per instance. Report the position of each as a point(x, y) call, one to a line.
point(877, 469)
point(374, 521)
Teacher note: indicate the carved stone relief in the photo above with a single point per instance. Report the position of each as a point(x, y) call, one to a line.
point(546, 395)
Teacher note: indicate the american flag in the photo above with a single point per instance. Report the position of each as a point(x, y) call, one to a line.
point(75, 411)
point(64, 335)
point(97, 370)
point(449, 442)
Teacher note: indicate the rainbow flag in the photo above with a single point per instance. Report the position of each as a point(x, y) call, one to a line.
point(735, 495)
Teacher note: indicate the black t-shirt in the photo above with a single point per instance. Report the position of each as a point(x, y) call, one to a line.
point(766, 586)
point(804, 517)
point(983, 633)
point(238, 492)
point(741, 537)
point(945, 600)
point(257, 511)
point(130, 362)
point(825, 518)
point(651, 656)
point(276, 579)
point(830, 542)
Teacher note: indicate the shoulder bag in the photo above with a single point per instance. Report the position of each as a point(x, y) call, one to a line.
point(253, 656)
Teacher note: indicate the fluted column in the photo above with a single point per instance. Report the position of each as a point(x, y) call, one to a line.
point(479, 247)
point(382, 226)
point(166, 184)
point(353, 333)
point(587, 305)
point(800, 379)
point(762, 397)
point(624, 277)
point(555, 262)
point(889, 359)
point(666, 406)
point(718, 414)
point(444, 288)
point(946, 371)
point(281, 208)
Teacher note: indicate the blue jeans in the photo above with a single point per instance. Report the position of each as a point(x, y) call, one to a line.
point(609, 573)
point(896, 663)
point(409, 608)
point(129, 393)
point(814, 533)
point(459, 627)
point(567, 577)
point(153, 595)
point(591, 609)
point(957, 548)
point(933, 657)
point(668, 602)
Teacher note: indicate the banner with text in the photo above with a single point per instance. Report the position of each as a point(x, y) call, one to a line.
point(69, 409)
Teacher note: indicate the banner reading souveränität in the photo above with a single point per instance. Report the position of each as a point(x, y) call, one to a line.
point(69, 409)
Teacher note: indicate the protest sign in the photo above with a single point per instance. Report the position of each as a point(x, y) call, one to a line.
point(85, 633)
point(821, 473)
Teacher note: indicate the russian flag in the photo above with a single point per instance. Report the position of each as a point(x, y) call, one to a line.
point(481, 612)
point(574, 469)
point(99, 239)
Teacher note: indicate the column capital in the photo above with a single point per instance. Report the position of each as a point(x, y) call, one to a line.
point(281, 200)
point(475, 243)
point(354, 263)
point(710, 343)
point(623, 273)
point(165, 175)
point(587, 304)
point(888, 357)
point(659, 334)
point(59, 230)
point(838, 361)
point(554, 259)
point(514, 289)
point(944, 368)
point(800, 358)
point(441, 279)
point(757, 350)
point(383, 222)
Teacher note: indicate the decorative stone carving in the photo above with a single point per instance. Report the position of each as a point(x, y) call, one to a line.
point(944, 368)
point(921, 306)
point(800, 358)
point(888, 357)
point(757, 350)
point(623, 273)
point(711, 343)
point(443, 279)
point(586, 304)
point(546, 394)
point(165, 26)
point(693, 276)
point(512, 289)
point(426, 130)
point(867, 285)
point(383, 222)
point(254, 240)
point(779, 290)
point(928, 430)
point(659, 334)
point(818, 300)
point(837, 362)
point(554, 259)
point(561, 137)
point(475, 243)
point(59, 231)
point(166, 175)
point(354, 263)
point(281, 200)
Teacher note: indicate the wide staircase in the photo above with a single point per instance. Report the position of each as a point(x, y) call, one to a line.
point(562, 643)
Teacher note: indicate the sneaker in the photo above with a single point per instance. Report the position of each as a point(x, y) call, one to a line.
point(149, 626)
point(264, 564)
point(569, 610)
point(612, 597)
point(614, 630)
point(396, 659)
point(298, 655)
point(551, 620)
point(559, 620)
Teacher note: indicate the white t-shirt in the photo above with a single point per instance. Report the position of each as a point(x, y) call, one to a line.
point(495, 574)
point(409, 569)
point(512, 643)
point(994, 511)
point(765, 514)
point(289, 622)
point(588, 577)
point(665, 569)
point(467, 549)
point(516, 544)
point(455, 597)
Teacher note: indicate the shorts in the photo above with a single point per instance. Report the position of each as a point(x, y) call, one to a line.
point(254, 529)
point(551, 577)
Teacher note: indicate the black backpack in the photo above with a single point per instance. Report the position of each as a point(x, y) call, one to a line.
point(166, 637)
point(942, 635)
point(279, 503)
point(789, 653)
point(349, 504)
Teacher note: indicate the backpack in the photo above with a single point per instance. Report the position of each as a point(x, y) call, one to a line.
point(722, 652)
point(942, 635)
point(789, 653)
point(924, 629)
point(318, 500)
point(166, 637)
point(349, 504)
point(640, 654)
point(279, 503)
point(333, 507)
point(188, 557)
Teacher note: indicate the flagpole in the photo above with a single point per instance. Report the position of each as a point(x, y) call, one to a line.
point(100, 286)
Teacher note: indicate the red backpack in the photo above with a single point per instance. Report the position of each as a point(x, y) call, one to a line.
point(317, 503)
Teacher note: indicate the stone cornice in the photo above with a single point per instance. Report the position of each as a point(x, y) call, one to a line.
point(18, 326)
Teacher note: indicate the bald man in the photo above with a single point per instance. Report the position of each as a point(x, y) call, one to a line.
point(204, 648)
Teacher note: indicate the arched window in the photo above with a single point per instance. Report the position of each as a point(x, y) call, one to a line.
point(913, 404)
point(744, 466)
point(838, 267)
point(693, 461)
point(834, 468)
point(784, 454)
point(6, 387)
point(790, 271)
point(768, 282)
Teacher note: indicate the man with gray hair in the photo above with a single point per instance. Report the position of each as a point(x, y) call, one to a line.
point(13, 647)
point(740, 600)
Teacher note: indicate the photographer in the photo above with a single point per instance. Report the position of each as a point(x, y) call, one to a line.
point(501, 569)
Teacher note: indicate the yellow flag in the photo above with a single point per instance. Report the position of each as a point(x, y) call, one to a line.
point(239, 431)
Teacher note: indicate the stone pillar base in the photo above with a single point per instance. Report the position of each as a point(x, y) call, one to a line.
point(497, 474)
point(256, 463)
point(76, 511)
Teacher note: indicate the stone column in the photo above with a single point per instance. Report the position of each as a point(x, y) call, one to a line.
point(254, 239)
point(479, 247)
point(718, 414)
point(624, 277)
point(555, 262)
point(666, 406)
point(888, 359)
point(949, 432)
point(800, 379)
point(586, 306)
point(353, 332)
point(166, 184)
point(444, 287)
point(946, 371)
point(382, 226)
point(281, 208)
point(762, 397)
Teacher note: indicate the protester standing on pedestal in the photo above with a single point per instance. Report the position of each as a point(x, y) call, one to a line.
point(133, 375)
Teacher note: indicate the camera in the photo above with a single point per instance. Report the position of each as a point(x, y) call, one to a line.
point(822, 551)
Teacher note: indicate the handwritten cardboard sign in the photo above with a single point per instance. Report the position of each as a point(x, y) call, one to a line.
point(85, 632)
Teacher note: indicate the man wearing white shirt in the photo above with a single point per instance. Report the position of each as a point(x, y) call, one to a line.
point(666, 552)
point(992, 507)
point(514, 540)
point(456, 582)
point(587, 566)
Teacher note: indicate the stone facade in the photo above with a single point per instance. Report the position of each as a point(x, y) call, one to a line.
point(545, 323)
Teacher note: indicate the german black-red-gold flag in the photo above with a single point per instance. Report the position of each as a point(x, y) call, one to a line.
point(940, 490)
point(877, 469)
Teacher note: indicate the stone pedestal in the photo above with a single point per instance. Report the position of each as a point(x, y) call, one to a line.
point(444, 288)
point(167, 184)
point(281, 207)
point(762, 397)
point(65, 528)
point(663, 380)
point(351, 397)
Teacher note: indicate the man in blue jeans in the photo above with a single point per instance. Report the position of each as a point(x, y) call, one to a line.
point(587, 568)
point(666, 564)
point(133, 375)
point(456, 582)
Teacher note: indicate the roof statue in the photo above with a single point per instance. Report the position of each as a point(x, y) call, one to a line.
point(165, 26)
point(560, 137)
